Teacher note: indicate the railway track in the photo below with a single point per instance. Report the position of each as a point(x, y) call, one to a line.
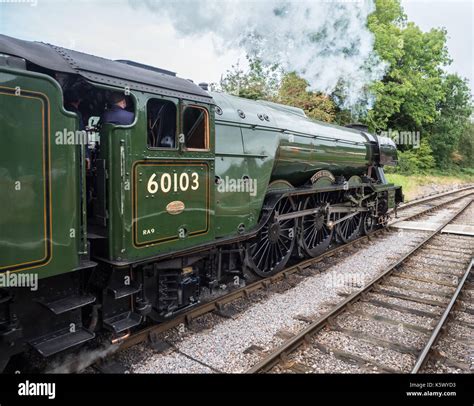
point(216, 305)
point(450, 344)
point(432, 196)
point(430, 353)
point(411, 210)
point(394, 322)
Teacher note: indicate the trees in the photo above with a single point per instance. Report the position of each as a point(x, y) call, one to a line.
point(451, 123)
point(466, 146)
point(415, 94)
point(416, 160)
point(270, 83)
point(406, 98)
point(259, 82)
point(293, 92)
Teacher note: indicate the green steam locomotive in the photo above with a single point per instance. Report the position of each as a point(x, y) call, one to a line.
point(113, 226)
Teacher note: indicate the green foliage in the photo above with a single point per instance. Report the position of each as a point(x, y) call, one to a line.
point(293, 92)
point(356, 113)
point(468, 172)
point(415, 94)
point(269, 83)
point(407, 96)
point(451, 123)
point(466, 147)
point(416, 160)
point(259, 82)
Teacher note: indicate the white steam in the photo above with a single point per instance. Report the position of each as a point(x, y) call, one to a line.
point(75, 363)
point(323, 41)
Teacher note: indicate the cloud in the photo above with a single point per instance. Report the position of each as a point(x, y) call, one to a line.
point(115, 30)
point(323, 41)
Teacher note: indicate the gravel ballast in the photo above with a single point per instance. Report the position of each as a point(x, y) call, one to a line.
point(223, 346)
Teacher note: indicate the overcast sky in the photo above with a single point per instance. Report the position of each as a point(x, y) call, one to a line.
point(115, 30)
point(457, 16)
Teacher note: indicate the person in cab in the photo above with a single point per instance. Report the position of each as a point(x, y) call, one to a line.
point(117, 113)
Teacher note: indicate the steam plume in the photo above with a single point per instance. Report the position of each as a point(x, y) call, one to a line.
point(323, 41)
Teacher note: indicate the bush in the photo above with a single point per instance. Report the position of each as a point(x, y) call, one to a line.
point(416, 161)
point(467, 171)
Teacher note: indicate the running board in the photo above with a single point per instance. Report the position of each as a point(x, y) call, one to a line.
point(122, 322)
point(69, 303)
point(61, 340)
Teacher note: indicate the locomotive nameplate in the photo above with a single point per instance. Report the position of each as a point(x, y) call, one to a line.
point(321, 175)
point(162, 190)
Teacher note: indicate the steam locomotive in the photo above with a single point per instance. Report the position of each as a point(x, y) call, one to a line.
point(200, 190)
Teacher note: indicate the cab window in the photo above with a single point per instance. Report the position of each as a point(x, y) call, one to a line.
point(161, 123)
point(196, 127)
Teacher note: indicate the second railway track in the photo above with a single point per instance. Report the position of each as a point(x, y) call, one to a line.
point(215, 305)
point(393, 323)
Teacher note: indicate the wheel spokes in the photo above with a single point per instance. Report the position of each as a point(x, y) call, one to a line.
point(349, 228)
point(274, 244)
point(315, 235)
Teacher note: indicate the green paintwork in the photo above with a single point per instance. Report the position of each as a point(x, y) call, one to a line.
point(391, 198)
point(183, 182)
point(287, 146)
point(283, 149)
point(232, 208)
point(130, 164)
point(39, 221)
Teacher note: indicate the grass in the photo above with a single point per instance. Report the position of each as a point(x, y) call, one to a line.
point(414, 185)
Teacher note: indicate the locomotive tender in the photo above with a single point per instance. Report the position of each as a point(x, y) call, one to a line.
point(201, 190)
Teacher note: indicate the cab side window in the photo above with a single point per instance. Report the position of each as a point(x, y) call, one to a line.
point(161, 123)
point(196, 127)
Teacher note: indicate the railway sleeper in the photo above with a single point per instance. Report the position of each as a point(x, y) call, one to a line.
point(350, 358)
point(372, 339)
point(403, 309)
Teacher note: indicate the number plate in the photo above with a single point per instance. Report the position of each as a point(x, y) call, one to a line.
point(170, 201)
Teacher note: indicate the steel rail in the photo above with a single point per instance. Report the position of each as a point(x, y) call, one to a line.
point(424, 355)
point(289, 346)
point(428, 198)
point(149, 332)
point(217, 303)
point(429, 209)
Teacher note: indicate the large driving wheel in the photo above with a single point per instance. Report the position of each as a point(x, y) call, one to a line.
point(271, 250)
point(315, 234)
point(349, 229)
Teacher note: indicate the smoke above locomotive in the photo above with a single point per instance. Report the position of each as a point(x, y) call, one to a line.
point(325, 42)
